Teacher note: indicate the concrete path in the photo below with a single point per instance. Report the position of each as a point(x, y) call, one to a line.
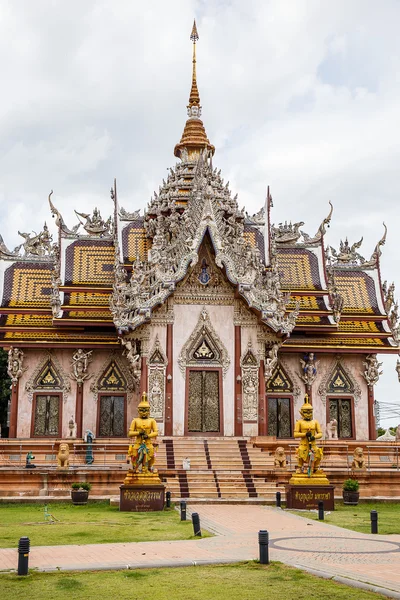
point(373, 560)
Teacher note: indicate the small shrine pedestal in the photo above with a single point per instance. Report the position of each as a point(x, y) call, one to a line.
point(141, 493)
point(305, 492)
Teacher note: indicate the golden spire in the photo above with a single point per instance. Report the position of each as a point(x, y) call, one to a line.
point(194, 137)
point(194, 98)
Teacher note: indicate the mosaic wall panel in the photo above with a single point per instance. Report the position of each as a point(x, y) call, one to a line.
point(90, 262)
point(27, 285)
point(299, 269)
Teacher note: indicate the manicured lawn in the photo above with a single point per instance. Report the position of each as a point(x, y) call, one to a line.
point(357, 518)
point(247, 581)
point(96, 523)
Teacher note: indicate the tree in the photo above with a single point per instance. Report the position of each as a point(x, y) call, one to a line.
point(5, 383)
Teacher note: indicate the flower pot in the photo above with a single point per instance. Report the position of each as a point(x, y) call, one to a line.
point(79, 496)
point(350, 497)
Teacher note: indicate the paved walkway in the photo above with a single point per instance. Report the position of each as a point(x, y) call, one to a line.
point(312, 545)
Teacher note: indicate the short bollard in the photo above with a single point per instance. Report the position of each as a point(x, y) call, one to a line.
point(278, 499)
point(321, 511)
point(183, 511)
point(374, 521)
point(196, 524)
point(168, 500)
point(263, 542)
point(23, 555)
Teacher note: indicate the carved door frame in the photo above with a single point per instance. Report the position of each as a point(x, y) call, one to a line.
point(111, 393)
point(290, 397)
point(352, 412)
point(219, 433)
point(60, 411)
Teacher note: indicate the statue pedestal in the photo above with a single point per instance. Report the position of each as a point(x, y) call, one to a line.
point(305, 496)
point(141, 493)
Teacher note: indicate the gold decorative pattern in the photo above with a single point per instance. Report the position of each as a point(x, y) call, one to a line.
point(92, 264)
point(306, 303)
point(55, 335)
point(91, 314)
point(30, 287)
point(138, 245)
point(358, 327)
point(335, 342)
point(299, 270)
point(88, 299)
point(29, 320)
point(357, 291)
point(250, 237)
point(304, 319)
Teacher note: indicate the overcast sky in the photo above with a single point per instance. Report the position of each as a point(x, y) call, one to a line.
point(302, 95)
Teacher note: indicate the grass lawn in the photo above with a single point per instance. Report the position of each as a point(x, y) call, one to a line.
point(96, 523)
point(357, 518)
point(245, 581)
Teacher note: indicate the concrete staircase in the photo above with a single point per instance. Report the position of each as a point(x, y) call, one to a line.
point(220, 469)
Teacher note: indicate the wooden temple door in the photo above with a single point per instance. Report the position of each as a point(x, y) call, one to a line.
point(111, 416)
point(341, 410)
point(279, 417)
point(204, 410)
point(47, 415)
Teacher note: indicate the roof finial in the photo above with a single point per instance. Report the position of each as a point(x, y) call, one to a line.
point(194, 137)
point(194, 98)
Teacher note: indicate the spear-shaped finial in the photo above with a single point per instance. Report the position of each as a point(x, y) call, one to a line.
point(194, 36)
point(194, 98)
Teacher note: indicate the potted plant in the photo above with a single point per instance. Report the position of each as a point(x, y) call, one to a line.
point(351, 494)
point(80, 492)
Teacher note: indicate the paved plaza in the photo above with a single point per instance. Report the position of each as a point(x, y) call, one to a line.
point(311, 545)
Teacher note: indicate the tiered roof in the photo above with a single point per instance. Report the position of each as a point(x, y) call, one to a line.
point(104, 278)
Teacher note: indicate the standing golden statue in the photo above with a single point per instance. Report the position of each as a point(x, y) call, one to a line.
point(309, 455)
point(141, 452)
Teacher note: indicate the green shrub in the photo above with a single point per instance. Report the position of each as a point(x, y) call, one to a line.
point(351, 485)
point(82, 485)
point(85, 485)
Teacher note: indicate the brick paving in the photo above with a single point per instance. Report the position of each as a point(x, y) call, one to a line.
point(372, 559)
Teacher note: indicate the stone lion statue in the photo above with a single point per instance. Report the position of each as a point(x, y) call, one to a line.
point(358, 459)
point(63, 456)
point(280, 458)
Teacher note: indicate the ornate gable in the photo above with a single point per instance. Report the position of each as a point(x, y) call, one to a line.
point(204, 347)
point(205, 283)
point(176, 235)
point(48, 376)
point(114, 376)
point(339, 380)
point(279, 382)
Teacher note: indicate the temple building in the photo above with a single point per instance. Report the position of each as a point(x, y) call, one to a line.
point(224, 319)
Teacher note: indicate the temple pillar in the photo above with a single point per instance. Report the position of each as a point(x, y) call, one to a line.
point(168, 415)
point(371, 415)
point(262, 419)
point(14, 410)
point(143, 376)
point(79, 409)
point(238, 382)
